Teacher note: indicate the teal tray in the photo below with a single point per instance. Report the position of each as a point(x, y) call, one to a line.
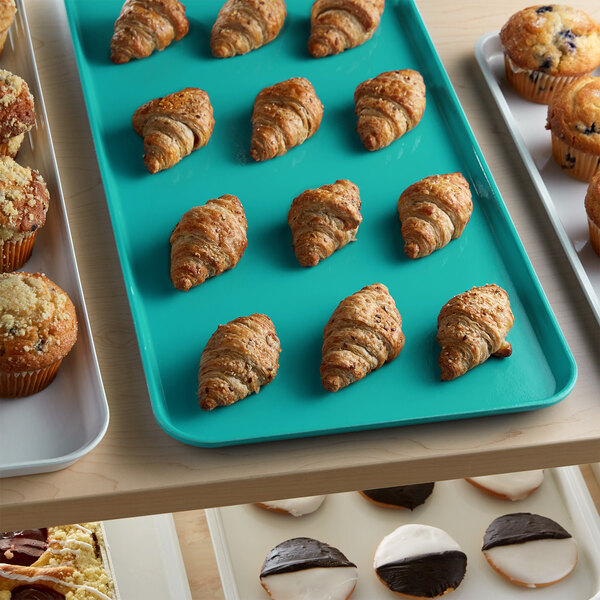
point(173, 327)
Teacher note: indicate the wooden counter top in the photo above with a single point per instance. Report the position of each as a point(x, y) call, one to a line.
point(137, 469)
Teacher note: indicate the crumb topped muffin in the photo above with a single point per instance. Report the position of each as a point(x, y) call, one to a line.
point(24, 202)
point(38, 328)
point(546, 47)
point(17, 113)
point(8, 10)
point(574, 120)
point(592, 209)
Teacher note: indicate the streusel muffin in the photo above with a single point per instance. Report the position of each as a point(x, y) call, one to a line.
point(38, 328)
point(8, 10)
point(23, 205)
point(574, 120)
point(592, 209)
point(17, 113)
point(546, 47)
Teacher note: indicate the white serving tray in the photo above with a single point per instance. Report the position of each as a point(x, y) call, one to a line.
point(243, 535)
point(52, 429)
point(146, 558)
point(561, 194)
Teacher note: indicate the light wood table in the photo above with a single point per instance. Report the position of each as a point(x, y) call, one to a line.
point(138, 469)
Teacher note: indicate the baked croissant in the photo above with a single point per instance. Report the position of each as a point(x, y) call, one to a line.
point(434, 211)
point(145, 26)
point(285, 115)
point(363, 333)
point(388, 106)
point(471, 327)
point(239, 358)
point(209, 240)
point(336, 25)
point(324, 220)
point(244, 25)
point(173, 126)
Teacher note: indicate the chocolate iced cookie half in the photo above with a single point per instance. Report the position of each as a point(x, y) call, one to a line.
point(400, 496)
point(307, 568)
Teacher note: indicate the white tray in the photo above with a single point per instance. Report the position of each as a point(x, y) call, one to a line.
point(243, 535)
point(146, 558)
point(52, 429)
point(561, 195)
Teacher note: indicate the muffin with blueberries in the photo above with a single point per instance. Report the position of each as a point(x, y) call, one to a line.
point(574, 121)
point(38, 328)
point(24, 202)
point(592, 209)
point(17, 112)
point(547, 47)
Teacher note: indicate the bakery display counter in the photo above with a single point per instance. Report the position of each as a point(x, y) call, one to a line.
point(137, 469)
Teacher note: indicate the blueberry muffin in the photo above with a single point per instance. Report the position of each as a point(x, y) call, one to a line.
point(23, 205)
point(7, 16)
point(592, 209)
point(574, 120)
point(546, 47)
point(17, 114)
point(38, 328)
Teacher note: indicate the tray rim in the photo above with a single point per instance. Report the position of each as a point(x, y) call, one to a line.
point(157, 400)
point(593, 297)
point(66, 460)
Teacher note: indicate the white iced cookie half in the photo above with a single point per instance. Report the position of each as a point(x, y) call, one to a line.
point(307, 569)
point(509, 486)
point(529, 549)
point(420, 561)
point(296, 507)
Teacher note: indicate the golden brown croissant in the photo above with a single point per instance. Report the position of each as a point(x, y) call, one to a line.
point(324, 220)
point(388, 106)
point(147, 25)
point(434, 211)
point(471, 327)
point(208, 240)
point(239, 358)
point(244, 25)
point(173, 126)
point(336, 25)
point(284, 116)
point(363, 333)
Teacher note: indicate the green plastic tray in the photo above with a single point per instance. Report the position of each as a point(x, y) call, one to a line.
point(173, 326)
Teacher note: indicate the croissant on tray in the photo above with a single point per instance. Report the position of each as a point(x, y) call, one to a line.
point(324, 220)
point(434, 211)
point(209, 240)
point(473, 326)
point(388, 106)
point(336, 25)
point(285, 115)
point(145, 26)
point(245, 25)
point(363, 333)
point(173, 126)
point(239, 358)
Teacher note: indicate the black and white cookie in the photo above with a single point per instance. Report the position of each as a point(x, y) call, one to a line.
point(297, 507)
point(420, 561)
point(509, 486)
point(400, 496)
point(529, 549)
point(307, 568)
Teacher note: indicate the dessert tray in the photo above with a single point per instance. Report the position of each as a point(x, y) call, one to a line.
point(53, 428)
point(243, 535)
point(173, 327)
point(561, 195)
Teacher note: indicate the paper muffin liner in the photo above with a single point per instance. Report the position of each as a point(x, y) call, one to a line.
point(14, 254)
point(594, 236)
point(577, 163)
point(535, 85)
point(26, 383)
point(11, 146)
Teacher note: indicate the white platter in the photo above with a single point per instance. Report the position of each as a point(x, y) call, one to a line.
point(52, 429)
point(561, 195)
point(146, 558)
point(243, 535)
